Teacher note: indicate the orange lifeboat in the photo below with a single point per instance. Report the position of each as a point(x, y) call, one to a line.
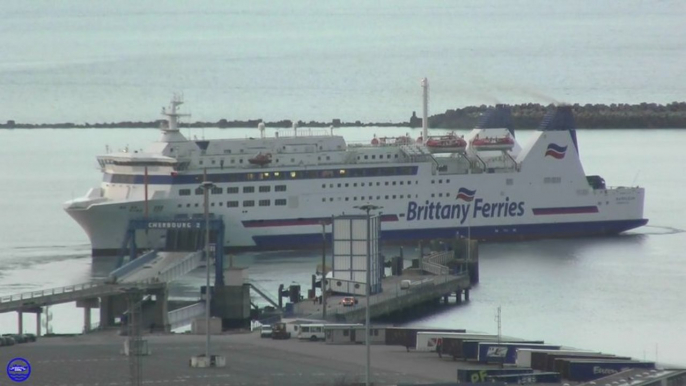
point(450, 143)
point(493, 143)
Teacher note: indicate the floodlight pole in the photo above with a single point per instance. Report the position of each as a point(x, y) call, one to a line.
point(323, 286)
point(367, 208)
point(206, 186)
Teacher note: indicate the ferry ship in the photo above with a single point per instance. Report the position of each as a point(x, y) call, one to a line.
point(274, 192)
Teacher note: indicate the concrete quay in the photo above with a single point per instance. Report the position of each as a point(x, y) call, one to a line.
point(95, 360)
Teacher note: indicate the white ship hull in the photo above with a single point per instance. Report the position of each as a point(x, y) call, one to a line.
point(281, 206)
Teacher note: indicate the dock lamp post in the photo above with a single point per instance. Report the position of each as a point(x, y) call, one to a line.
point(324, 224)
point(207, 186)
point(368, 208)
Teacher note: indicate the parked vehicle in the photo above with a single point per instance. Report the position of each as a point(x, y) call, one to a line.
point(348, 301)
point(266, 331)
point(279, 331)
point(313, 332)
point(18, 338)
point(9, 341)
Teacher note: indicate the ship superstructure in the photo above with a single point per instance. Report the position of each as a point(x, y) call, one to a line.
point(274, 192)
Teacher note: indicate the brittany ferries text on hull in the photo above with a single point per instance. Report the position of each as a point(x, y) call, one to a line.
point(273, 192)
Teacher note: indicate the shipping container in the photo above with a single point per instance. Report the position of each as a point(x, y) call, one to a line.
point(523, 379)
point(583, 371)
point(494, 352)
point(480, 375)
point(407, 337)
point(524, 355)
point(545, 361)
point(559, 362)
point(427, 341)
point(470, 348)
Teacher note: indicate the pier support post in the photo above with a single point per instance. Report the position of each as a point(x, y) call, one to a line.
point(458, 296)
point(466, 295)
point(20, 326)
point(38, 324)
point(445, 299)
point(86, 319)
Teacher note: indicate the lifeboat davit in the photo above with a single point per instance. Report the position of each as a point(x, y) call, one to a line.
point(450, 143)
point(261, 159)
point(493, 143)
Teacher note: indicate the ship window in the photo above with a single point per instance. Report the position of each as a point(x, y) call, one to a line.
point(248, 203)
point(280, 202)
point(200, 162)
point(440, 181)
point(323, 199)
point(217, 190)
point(233, 161)
point(330, 185)
point(188, 205)
point(378, 184)
point(221, 203)
point(331, 199)
point(184, 192)
point(386, 183)
point(339, 185)
point(250, 176)
point(323, 186)
point(240, 161)
point(362, 184)
point(280, 188)
point(294, 174)
point(265, 202)
point(386, 197)
point(355, 185)
point(447, 181)
point(346, 198)
point(212, 204)
point(440, 194)
point(393, 182)
point(196, 204)
point(346, 185)
point(214, 162)
point(366, 157)
point(178, 206)
point(552, 180)
point(402, 182)
point(248, 189)
point(232, 190)
point(198, 191)
point(232, 204)
point(328, 158)
point(342, 172)
point(265, 189)
point(433, 181)
point(509, 181)
point(396, 156)
point(355, 198)
point(373, 157)
point(433, 195)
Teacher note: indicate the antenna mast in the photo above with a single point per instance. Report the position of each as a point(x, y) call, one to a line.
point(173, 115)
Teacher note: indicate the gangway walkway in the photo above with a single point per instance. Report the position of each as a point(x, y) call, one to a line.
point(165, 267)
point(68, 294)
point(263, 292)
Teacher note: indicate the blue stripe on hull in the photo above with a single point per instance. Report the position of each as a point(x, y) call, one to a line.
point(488, 233)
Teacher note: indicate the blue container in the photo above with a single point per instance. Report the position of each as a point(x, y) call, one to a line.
point(582, 371)
point(506, 352)
point(526, 378)
point(481, 375)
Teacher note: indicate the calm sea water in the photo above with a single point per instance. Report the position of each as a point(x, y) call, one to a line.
point(82, 61)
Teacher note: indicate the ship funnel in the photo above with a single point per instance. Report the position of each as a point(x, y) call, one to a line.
point(497, 117)
point(560, 119)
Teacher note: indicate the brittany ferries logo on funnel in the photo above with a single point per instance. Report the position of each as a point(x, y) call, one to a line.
point(556, 151)
point(465, 194)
